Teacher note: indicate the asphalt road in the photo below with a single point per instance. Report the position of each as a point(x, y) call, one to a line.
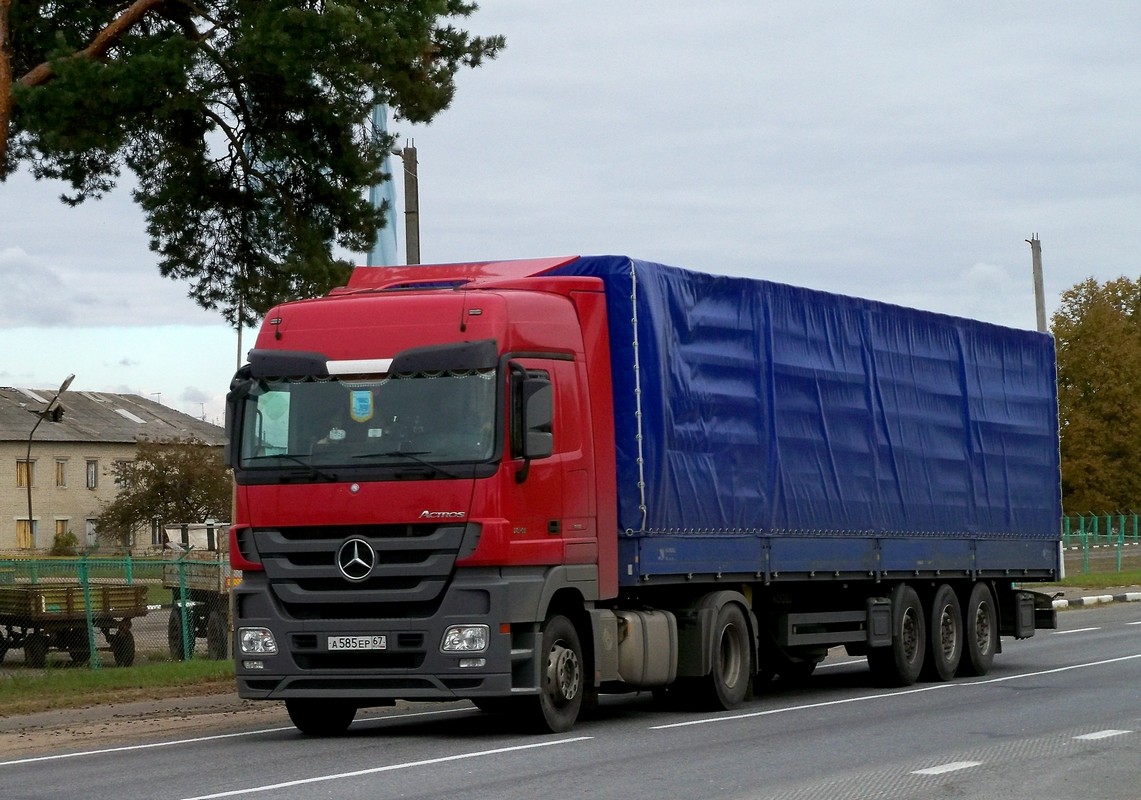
point(1059, 717)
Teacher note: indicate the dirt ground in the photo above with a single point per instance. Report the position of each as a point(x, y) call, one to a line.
point(123, 724)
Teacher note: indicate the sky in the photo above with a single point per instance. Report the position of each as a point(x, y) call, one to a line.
point(897, 151)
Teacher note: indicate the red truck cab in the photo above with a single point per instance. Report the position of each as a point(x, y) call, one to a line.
point(408, 515)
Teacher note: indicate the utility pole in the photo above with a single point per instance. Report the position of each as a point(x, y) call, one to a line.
point(1039, 292)
point(411, 203)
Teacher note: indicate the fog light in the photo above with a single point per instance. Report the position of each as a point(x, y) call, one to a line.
point(465, 639)
point(473, 662)
point(256, 641)
point(253, 664)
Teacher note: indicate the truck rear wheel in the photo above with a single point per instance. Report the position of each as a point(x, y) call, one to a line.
point(320, 717)
point(561, 677)
point(980, 631)
point(900, 663)
point(728, 682)
point(945, 642)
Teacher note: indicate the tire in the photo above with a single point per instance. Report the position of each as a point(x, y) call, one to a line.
point(945, 639)
point(900, 663)
point(980, 631)
point(77, 646)
point(36, 651)
point(174, 635)
point(320, 717)
point(217, 633)
point(561, 677)
point(727, 684)
point(123, 648)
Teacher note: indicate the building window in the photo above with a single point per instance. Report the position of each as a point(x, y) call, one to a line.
point(62, 526)
point(25, 534)
point(25, 473)
point(92, 473)
point(120, 472)
point(89, 526)
point(61, 473)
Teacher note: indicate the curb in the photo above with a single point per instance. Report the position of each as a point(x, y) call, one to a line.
point(1098, 599)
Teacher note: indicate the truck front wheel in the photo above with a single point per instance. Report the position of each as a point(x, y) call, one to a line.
point(561, 677)
point(320, 717)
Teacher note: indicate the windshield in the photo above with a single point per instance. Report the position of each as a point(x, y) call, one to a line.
point(437, 417)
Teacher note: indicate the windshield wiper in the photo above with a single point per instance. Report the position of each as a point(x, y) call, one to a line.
point(313, 471)
point(411, 455)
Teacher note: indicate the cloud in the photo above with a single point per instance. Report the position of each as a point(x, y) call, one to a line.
point(33, 293)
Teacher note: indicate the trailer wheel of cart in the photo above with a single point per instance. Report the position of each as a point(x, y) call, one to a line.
point(945, 639)
point(561, 677)
point(320, 717)
point(981, 631)
point(731, 657)
point(217, 632)
point(75, 642)
point(36, 651)
point(174, 633)
point(900, 663)
point(123, 648)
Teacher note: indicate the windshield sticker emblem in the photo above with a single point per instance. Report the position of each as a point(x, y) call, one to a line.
point(361, 405)
point(356, 559)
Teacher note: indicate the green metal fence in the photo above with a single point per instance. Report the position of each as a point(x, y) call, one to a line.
point(97, 612)
point(1104, 542)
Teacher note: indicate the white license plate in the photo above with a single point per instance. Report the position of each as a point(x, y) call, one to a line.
point(358, 642)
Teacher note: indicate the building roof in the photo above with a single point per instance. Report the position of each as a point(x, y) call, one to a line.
point(100, 417)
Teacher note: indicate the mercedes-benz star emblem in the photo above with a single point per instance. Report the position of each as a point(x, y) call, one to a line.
point(355, 559)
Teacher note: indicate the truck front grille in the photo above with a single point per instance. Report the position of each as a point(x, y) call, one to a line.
point(413, 564)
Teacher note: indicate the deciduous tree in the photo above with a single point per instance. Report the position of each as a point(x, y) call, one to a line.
point(177, 481)
point(244, 123)
point(1097, 329)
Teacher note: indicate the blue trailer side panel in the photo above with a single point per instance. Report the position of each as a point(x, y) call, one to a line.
point(750, 408)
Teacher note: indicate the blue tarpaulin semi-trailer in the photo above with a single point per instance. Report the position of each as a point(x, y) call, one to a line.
point(782, 433)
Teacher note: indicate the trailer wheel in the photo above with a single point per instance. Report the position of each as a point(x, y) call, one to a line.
point(728, 681)
point(36, 651)
point(77, 645)
point(900, 663)
point(174, 635)
point(320, 717)
point(981, 631)
point(217, 633)
point(945, 640)
point(561, 677)
point(123, 648)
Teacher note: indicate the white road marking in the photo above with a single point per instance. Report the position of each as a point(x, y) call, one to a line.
point(954, 766)
point(1102, 734)
point(1075, 630)
point(887, 695)
point(215, 737)
point(387, 768)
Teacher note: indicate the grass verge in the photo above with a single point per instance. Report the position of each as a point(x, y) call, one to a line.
point(1101, 580)
point(28, 691)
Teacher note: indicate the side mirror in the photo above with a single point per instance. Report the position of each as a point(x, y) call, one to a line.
point(533, 411)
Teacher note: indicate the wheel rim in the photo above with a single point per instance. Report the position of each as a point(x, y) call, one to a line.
point(731, 656)
point(983, 632)
point(948, 632)
point(909, 634)
point(564, 673)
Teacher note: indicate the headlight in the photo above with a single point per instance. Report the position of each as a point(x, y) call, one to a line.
point(465, 639)
point(256, 641)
